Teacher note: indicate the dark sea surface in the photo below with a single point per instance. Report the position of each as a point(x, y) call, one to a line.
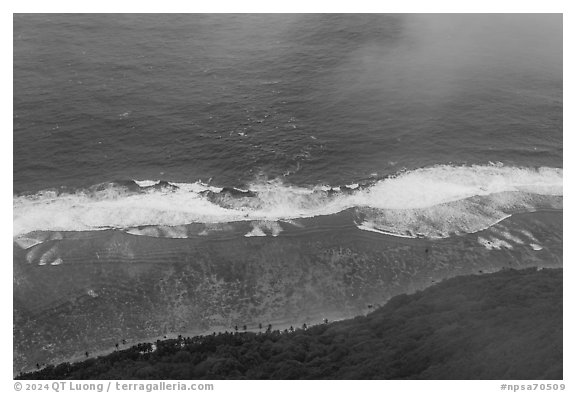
point(319, 99)
point(301, 141)
point(299, 100)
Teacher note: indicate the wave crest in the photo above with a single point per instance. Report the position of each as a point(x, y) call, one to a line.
point(433, 202)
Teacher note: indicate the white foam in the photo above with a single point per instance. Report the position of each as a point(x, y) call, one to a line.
point(504, 233)
point(256, 231)
point(92, 293)
point(499, 243)
point(259, 228)
point(535, 246)
point(197, 187)
point(293, 223)
point(529, 235)
point(146, 231)
point(366, 226)
point(33, 238)
point(49, 256)
point(57, 261)
point(32, 254)
point(215, 227)
point(146, 183)
point(433, 202)
point(440, 221)
point(432, 186)
point(486, 243)
point(494, 243)
point(26, 243)
point(275, 228)
point(176, 232)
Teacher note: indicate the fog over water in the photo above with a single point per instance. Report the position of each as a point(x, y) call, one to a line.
point(185, 173)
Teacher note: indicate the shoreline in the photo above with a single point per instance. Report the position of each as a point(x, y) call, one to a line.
point(184, 285)
point(152, 340)
point(482, 302)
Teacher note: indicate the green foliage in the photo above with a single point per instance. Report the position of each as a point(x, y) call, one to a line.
point(506, 325)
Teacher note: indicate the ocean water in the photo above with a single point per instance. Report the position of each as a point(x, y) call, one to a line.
point(272, 167)
point(408, 111)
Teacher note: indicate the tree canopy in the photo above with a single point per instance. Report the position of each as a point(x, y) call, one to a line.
point(505, 325)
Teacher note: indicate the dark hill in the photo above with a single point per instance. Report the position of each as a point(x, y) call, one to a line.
point(505, 325)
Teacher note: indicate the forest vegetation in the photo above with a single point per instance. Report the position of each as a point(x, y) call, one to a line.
point(503, 325)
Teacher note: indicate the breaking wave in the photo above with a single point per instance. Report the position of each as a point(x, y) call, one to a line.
point(433, 202)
